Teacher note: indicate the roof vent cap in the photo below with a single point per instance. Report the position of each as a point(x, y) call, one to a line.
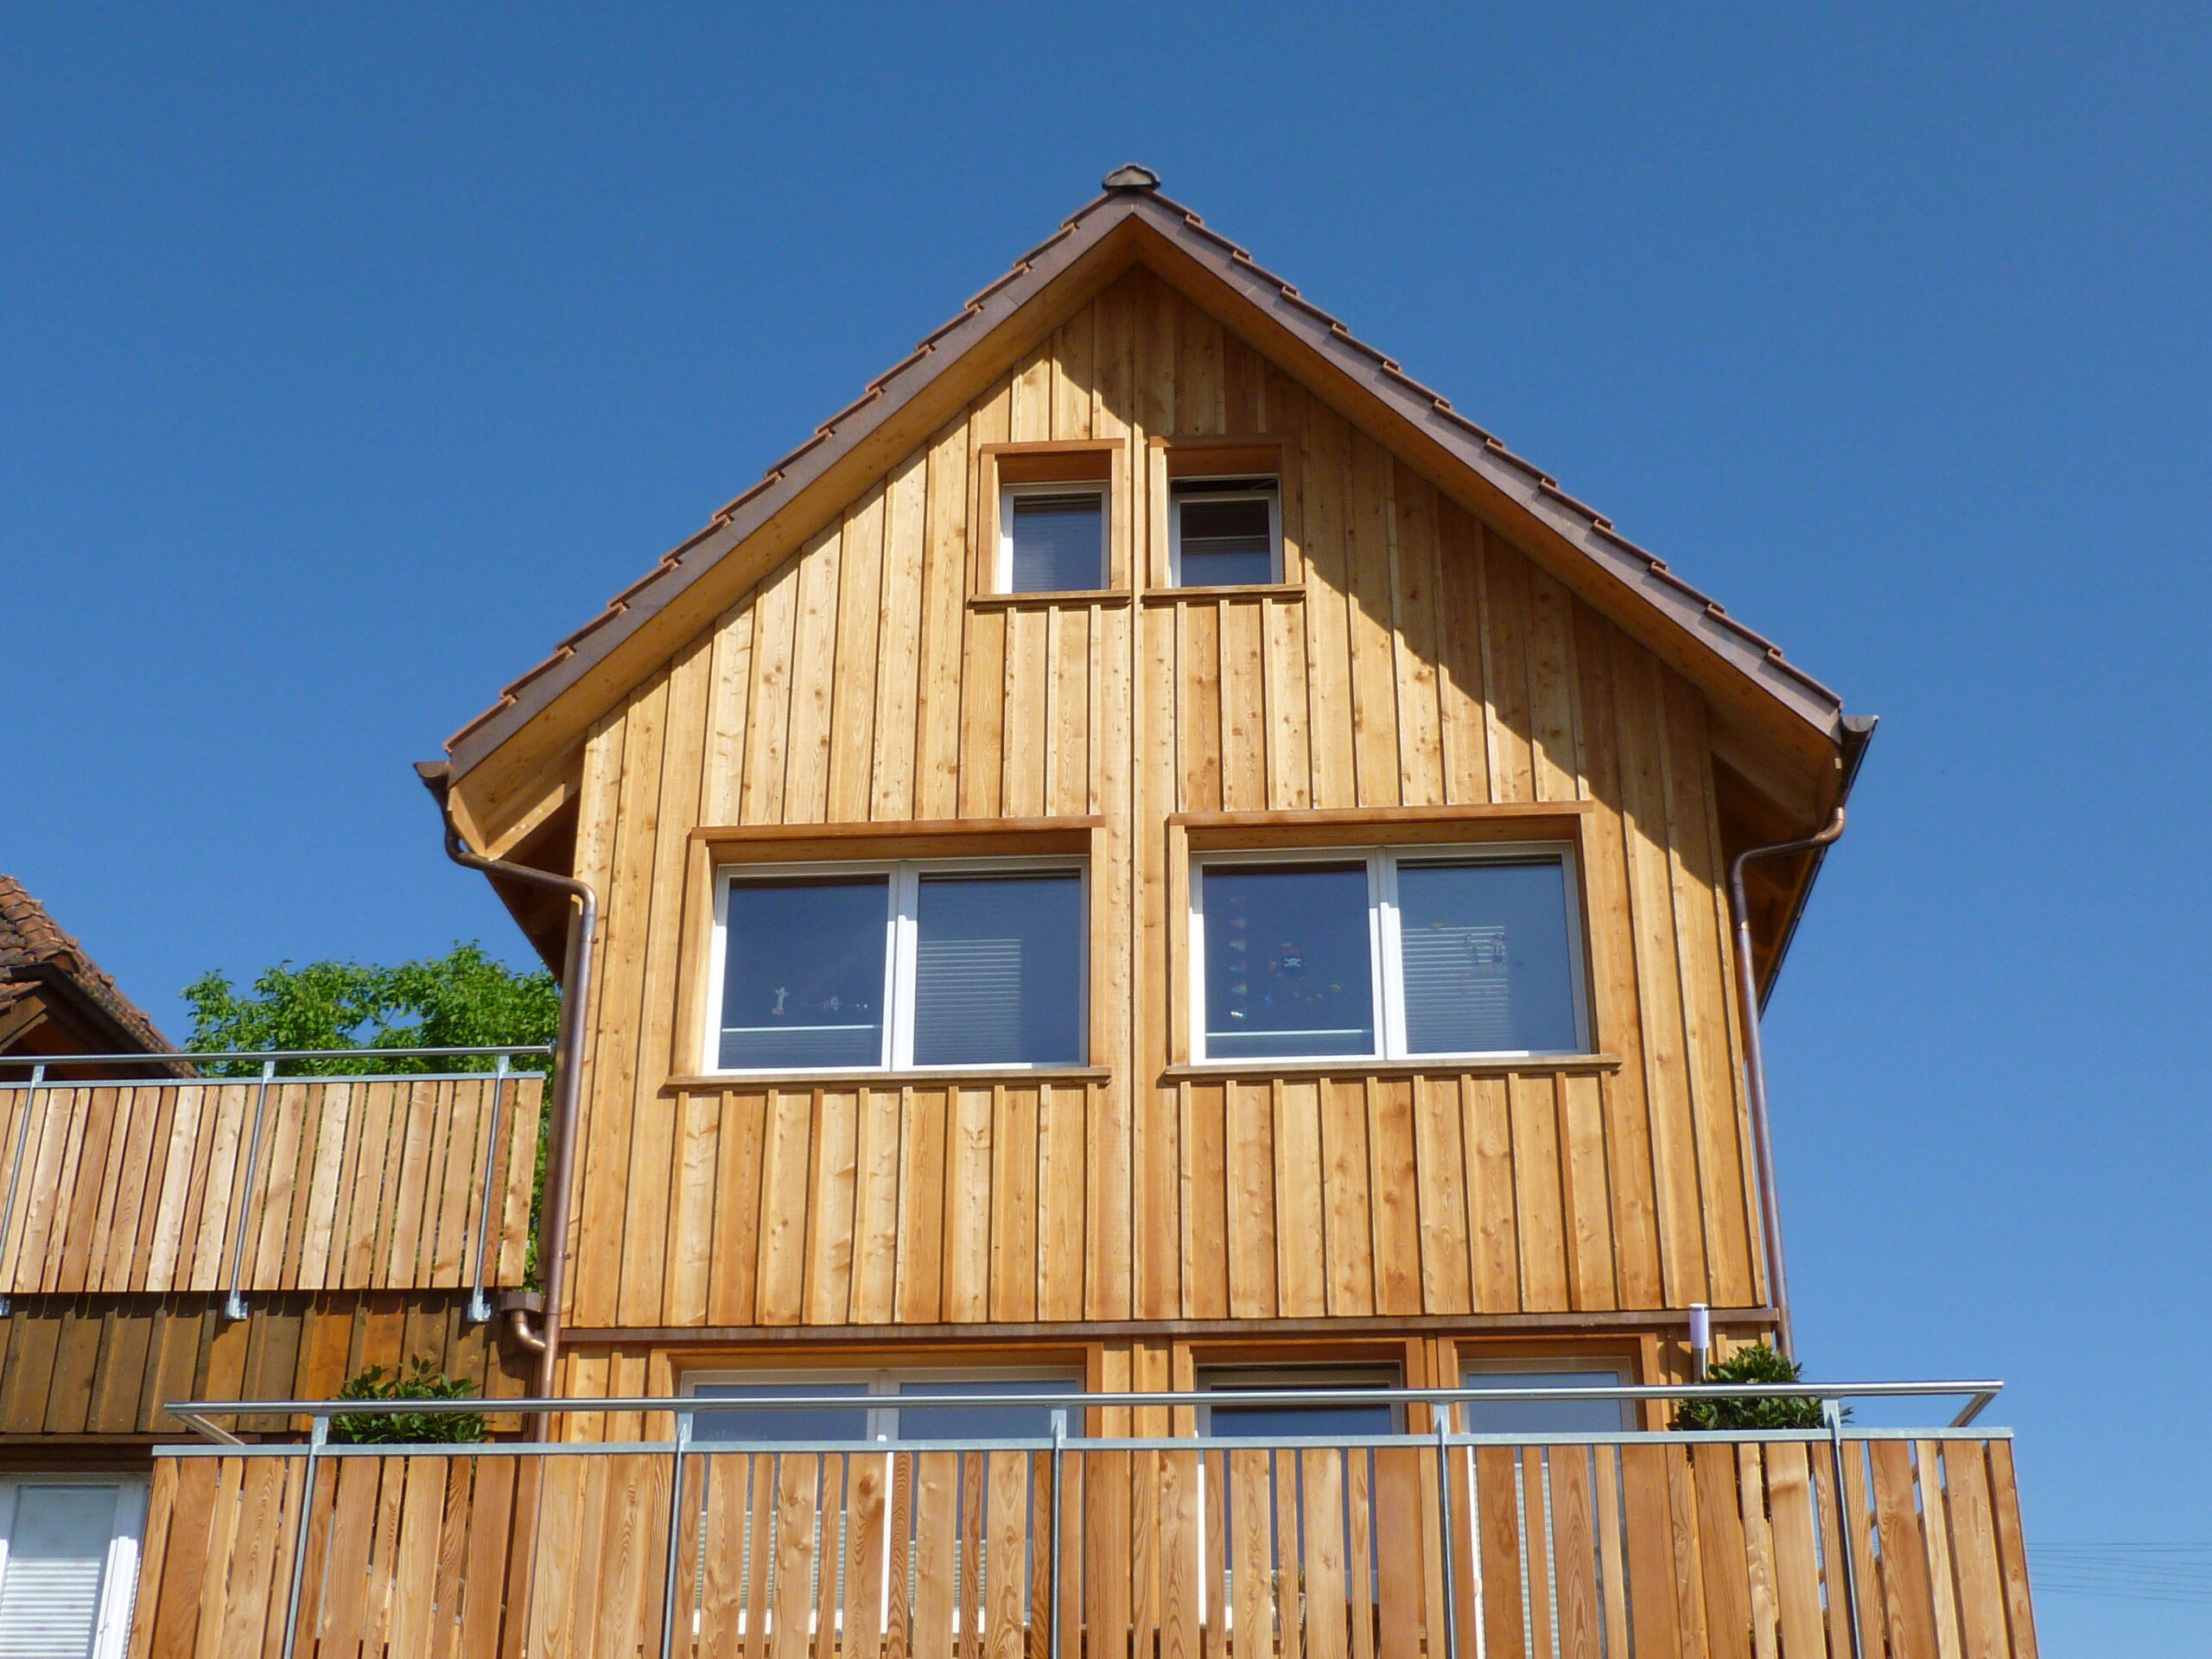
point(1130, 177)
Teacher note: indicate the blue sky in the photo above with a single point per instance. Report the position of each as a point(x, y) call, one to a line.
point(350, 357)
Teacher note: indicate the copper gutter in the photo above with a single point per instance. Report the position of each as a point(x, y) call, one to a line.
point(567, 1073)
point(1858, 733)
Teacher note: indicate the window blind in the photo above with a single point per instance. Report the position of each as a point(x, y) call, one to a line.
point(50, 1580)
point(1225, 541)
point(998, 969)
point(1058, 542)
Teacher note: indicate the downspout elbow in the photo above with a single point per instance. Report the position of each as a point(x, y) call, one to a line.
point(567, 1072)
point(1747, 995)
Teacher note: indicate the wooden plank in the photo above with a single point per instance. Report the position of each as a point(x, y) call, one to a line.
point(1346, 1232)
point(814, 672)
point(1796, 1564)
point(1462, 712)
point(1585, 1190)
point(921, 1206)
point(833, 1179)
point(1369, 518)
point(945, 578)
point(1732, 1587)
point(721, 787)
point(784, 1167)
point(1441, 1197)
point(937, 1498)
point(1301, 1278)
point(689, 1251)
point(1575, 1553)
point(1497, 1537)
point(1908, 1603)
point(1537, 1194)
point(1413, 622)
point(1329, 586)
point(1245, 726)
point(1501, 597)
point(1322, 1557)
point(768, 702)
point(1943, 1579)
point(733, 1278)
point(875, 1208)
point(1060, 1184)
point(2011, 1548)
point(1393, 1181)
point(1555, 750)
point(863, 601)
point(1012, 1269)
point(1486, 1137)
point(1248, 1183)
point(1201, 1113)
point(1649, 1535)
point(1198, 706)
point(968, 1206)
point(1289, 746)
point(1025, 717)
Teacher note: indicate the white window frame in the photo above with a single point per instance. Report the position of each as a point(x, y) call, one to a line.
point(1232, 1380)
point(1386, 989)
point(903, 935)
point(1481, 1373)
point(120, 1573)
point(1002, 566)
point(879, 1386)
point(1181, 489)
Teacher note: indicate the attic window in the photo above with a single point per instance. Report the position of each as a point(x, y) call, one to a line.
point(1226, 533)
point(1052, 539)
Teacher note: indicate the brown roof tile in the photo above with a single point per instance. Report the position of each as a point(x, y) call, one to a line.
point(34, 953)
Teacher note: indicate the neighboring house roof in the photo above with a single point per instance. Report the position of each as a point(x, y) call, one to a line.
point(1131, 198)
point(39, 961)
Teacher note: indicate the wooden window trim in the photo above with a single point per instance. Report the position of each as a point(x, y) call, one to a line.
point(1168, 459)
point(1191, 835)
point(1074, 460)
point(713, 847)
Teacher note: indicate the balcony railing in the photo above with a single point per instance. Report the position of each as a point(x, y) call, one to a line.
point(642, 1538)
point(270, 1182)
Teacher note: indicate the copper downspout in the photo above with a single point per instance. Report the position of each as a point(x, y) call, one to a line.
point(1777, 1279)
point(567, 1074)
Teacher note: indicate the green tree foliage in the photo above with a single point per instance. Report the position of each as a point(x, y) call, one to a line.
point(461, 1000)
point(417, 1382)
point(1757, 1363)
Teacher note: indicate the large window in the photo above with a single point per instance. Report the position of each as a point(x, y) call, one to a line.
point(1392, 953)
point(858, 967)
point(1052, 539)
point(1227, 1419)
point(68, 1565)
point(1225, 532)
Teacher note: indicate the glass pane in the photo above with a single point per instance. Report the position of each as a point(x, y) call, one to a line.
point(1485, 949)
point(984, 1422)
point(802, 980)
point(1226, 544)
point(1541, 1417)
point(50, 1585)
point(998, 969)
point(1283, 1423)
point(823, 1422)
point(1288, 969)
point(1060, 544)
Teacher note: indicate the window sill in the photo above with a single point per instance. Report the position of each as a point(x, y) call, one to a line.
point(1202, 596)
point(1427, 1066)
point(1047, 601)
point(976, 1078)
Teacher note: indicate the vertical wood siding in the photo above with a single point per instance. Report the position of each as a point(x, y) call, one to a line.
point(1416, 659)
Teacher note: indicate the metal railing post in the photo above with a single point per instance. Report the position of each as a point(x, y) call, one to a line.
point(479, 1306)
point(14, 1173)
point(318, 1436)
point(1059, 1466)
point(675, 1531)
point(1831, 1415)
point(234, 1304)
point(1445, 1531)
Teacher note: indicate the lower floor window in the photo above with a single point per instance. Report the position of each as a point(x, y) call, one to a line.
point(1555, 1416)
point(68, 1565)
point(886, 1406)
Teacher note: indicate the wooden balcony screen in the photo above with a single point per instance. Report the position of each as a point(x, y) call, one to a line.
point(1651, 1547)
point(351, 1186)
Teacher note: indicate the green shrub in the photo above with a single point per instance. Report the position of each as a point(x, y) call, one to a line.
point(1757, 1363)
point(417, 1381)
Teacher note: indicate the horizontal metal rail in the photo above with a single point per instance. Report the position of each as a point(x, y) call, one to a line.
point(483, 1049)
point(690, 1407)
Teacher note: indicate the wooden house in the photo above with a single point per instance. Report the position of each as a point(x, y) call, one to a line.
point(1151, 857)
